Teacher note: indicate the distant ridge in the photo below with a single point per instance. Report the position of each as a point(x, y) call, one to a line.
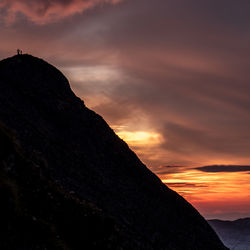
point(77, 152)
point(234, 234)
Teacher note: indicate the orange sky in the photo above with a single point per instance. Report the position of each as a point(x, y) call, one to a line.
point(224, 195)
point(170, 77)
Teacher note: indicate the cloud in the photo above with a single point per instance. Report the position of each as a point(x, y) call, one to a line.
point(189, 140)
point(185, 185)
point(223, 168)
point(164, 170)
point(46, 11)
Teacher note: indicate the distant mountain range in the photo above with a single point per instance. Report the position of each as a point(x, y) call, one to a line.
point(234, 234)
point(67, 181)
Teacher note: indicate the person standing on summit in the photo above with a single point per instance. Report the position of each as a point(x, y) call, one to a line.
point(19, 52)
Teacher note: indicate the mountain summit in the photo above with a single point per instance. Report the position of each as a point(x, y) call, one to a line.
point(77, 152)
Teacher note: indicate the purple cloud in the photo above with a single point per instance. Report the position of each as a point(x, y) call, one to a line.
point(46, 11)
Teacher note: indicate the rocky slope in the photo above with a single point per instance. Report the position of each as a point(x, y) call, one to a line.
point(37, 214)
point(78, 152)
point(234, 234)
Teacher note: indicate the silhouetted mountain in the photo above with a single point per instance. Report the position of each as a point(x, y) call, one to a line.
point(37, 214)
point(234, 234)
point(72, 152)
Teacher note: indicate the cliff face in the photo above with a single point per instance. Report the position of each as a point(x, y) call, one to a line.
point(81, 154)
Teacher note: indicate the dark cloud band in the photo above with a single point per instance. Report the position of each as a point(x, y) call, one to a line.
point(223, 168)
point(185, 185)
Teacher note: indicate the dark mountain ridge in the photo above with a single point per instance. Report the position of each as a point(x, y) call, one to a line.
point(37, 214)
point(82, 155)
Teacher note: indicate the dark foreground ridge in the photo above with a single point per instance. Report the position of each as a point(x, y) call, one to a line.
point(71, 172)
point(37, 214)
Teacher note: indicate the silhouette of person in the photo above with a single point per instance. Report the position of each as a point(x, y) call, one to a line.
point(19, 52)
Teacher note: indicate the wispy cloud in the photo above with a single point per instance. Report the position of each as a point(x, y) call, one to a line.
point(165, 170)
point(185, 184)
point(45, 11)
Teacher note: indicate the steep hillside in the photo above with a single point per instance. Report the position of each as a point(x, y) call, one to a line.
point(83, 155)
point(38, 214)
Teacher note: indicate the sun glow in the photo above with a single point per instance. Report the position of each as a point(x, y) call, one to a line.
point(140, 137)
point(211, 191)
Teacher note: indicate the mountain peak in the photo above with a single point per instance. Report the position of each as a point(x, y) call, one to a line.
point(83, 155)
point(31, 72)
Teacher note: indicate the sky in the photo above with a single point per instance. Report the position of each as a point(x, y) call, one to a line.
point(171, 77)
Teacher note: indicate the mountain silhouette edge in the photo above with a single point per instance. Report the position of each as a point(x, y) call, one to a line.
point(83, 155)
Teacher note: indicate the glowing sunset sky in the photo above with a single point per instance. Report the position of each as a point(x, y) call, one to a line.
point(171, 77)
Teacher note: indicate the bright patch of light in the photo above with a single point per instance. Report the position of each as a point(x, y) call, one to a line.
point(140, 137)
point(99, 74)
